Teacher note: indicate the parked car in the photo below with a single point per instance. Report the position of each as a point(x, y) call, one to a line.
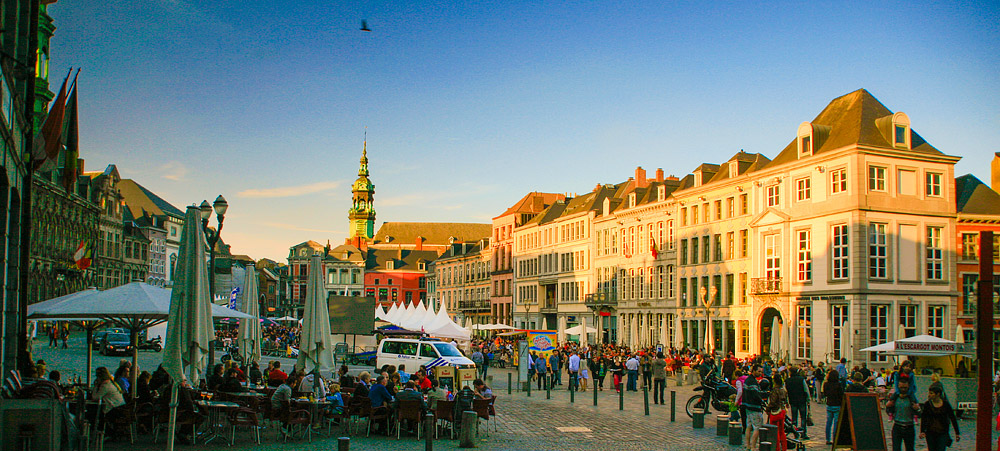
point(98, 340)
point(116, 343)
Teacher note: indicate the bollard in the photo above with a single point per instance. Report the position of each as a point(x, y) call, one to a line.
point(548, 386)
point(645, 399)
point(721, 425)
point(697, 418)
point(595, 396)
point(766, 446)
point(680, 377)
point(344, 444)
point(735, 433)
point(572, 395)
point(673, 406)
point(467, 435)
point(767, 433)
point(508, 383)
point(529, 387)
point(428, 432)
point(621, 399)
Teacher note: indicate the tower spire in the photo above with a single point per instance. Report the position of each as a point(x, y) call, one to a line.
point(362, 212)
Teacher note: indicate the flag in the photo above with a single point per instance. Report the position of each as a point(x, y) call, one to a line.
point(82, 256)
point(232, 297)
point(71, 138)
point(47, 141)
point(652, 247)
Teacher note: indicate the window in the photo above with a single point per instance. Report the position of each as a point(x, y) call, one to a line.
point(684, 293)
point(803, 189)
point(773, 195)
point(684, 252)
point(731, 206)
point(670, 234)
point(806, 145)
point(900, 135)
point(744, 336)
point(706, 251)
point(970, 246)
point(935, 321)
point(935, 254)
point(744, 242)
point(804, 255)
point(731, 245)
point(670, 281)
point(876, 178)
point(803, 328)
point(841, 332)
point(743, 288)
point(660, 283)
point(933, 185)
point(877, 258)
point(878, 330)
point(718, 210)
point(684, 216)
point(730, 290)
point(838, 181)
point(694, 251)
point(840, 252)
point(707, 212)
point(717, 238)
point(908, 319)
point(694, 214)
point(970, 291)
point(744, 204)
point(772, 257)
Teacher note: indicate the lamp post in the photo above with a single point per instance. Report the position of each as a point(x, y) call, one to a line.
point(212, 237)
point(708, 297)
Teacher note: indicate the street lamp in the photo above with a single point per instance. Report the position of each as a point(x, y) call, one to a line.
point(212, 237)
point(708, 297)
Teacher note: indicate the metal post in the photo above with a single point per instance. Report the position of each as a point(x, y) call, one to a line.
point(572, 393)
point(509, 377)
point(984, 341)
point(429, 432)
point(343, 444)
point(548, 386)
point(595, 396)
point(529, 384)
point(467, 436)
point(645, 399)
point(621, 399)
point(673, 406)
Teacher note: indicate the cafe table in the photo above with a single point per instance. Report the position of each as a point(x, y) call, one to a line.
point(216, 414)
point(314, 406)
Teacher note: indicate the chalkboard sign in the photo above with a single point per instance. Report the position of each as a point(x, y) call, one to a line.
point(860, 424)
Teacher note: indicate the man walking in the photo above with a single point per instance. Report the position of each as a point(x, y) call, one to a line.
point(659, 367)
point(541, 370)
point(904, 406)
point(632, 365)
point(573, 366)
point(798, 400)
point(555, 368)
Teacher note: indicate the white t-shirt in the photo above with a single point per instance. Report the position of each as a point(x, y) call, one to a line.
point(880, 381)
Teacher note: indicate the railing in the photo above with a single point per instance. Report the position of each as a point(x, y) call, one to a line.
point(476, 304)
point(601, 299)
point(765, 285)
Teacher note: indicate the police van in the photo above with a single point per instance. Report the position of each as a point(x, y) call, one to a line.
point(413, 352)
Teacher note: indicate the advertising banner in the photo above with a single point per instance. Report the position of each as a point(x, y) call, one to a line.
point(542, 342)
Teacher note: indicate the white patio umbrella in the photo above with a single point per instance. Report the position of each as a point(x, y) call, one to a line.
point(190, 329)
point(315, 347)
point(249, 332)
point(41, 310)
point(959, 334)
point(587, 330)
point(775, 339)
point(286, 319)
point(578, 330)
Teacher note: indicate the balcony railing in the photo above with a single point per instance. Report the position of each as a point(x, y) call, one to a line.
point(474, 305)
point(764, 285)
point(601, 299)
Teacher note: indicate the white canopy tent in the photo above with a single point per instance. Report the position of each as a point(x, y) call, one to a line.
point(921, 345)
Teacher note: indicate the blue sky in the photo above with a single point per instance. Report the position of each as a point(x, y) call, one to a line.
point(470, 105)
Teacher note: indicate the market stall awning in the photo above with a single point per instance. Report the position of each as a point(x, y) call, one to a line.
point(921, 345)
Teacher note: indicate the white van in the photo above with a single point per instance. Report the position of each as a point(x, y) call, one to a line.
point(414, 352)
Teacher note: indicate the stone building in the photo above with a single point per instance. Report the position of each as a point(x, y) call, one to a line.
point(108, 258)
point(462, 278)
point(345, 270)
point(135, 253)
point(978, 210)
point(160, 220)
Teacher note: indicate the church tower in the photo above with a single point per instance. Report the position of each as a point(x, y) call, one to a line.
point(362, 212)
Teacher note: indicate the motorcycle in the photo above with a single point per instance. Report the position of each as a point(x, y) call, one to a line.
point(233, 353)
point(153, 344)
point(713, 392)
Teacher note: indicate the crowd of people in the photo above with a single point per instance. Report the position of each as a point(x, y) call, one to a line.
point(275, 338)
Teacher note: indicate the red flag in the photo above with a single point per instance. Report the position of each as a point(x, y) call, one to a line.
point(71, 137)
point(82, 256)
point(652, 247)
point(46, 144)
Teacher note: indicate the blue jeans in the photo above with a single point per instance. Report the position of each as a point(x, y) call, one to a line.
point(633, 376)
point(832, 412)
point(799, 415)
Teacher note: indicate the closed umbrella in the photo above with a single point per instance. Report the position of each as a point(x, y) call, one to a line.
point(190, 329)
point(315, 347)
point(775, 339)
point(249, 333)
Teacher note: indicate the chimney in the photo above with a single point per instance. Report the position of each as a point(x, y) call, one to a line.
point(399, 253)
point(995, 172)
point(659, 174)
point(640, 177)
point(79, 166)
point(596, 188)
point(672, 178)
point(420, 243)
point(537, 203)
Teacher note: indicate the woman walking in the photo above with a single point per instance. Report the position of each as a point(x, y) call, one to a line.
point(936, 415)
point(833, 390)
point(776, 413)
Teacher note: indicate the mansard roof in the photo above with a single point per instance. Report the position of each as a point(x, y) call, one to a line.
point(851, 119)
point(527, 203)
point(439, 233)
point(973, 197)
point(403, 259)
point(139, 200)
point(346, 253)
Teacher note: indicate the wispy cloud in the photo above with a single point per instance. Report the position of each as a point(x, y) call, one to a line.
point(404, 200)
point(279, 225)
point(173, 170)
point(289, 191)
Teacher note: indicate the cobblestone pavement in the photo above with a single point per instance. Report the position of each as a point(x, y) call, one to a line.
point(523, 423)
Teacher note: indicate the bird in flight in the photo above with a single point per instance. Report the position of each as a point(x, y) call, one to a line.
point(364, 25)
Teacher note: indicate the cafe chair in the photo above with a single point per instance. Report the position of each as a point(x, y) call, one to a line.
point(493, 414)
point(380, 414)
point(342, 417)
point(244, 417)
point(299, 419)
point(123, 420)
point(408, 410)
point(482, 409)
point(445, 411)
point(163, 424)
point(359, 408)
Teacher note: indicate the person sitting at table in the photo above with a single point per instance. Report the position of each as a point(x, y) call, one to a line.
point(256, 377)
point(186, 407)
point(404, 377)
point(335, 399)
point(240, 375)
point(308, 384)
point(393, 384)
point(159, 380)
point(410, 393)
point(142, 391)
point(364, 384)
point(276, 377)
point(435, 393)
point(231, 382)
point(122, 376)
point(341, 372)
point(33, 386)
point(283, 394)
point(379, 393)
point(482, 391)
point(106, 390)
point(218, 376)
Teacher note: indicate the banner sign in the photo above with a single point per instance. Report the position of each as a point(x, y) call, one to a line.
point(927, 347)
point(542, 342)
point(232, 297)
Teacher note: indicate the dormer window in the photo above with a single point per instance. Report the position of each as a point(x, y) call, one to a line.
point(805, 139)
point(734, 169)
point(661, 192)
point(422, 266)
point(631, 200)
point(805, 144)
point(901, 130)
point(390, 265)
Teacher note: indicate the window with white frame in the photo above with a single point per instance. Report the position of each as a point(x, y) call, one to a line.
point(841, 334)
point(660, 282)
point(744, 335)
point(876, 178)
point(838, 181)
point(642, 284)
point(773, 195)
point(935, 254)
point(670, 234)
point(935, 321)
point(877, 252)
point(731, 245)
point(804, 256)
point(731, 207)
point(908, 319)
point(670, 281)
point(933, 184)
point(803, 327)
point(840, 252)
point(878, 330)
point(772, 256)
point(803, 189)
point(970, 246)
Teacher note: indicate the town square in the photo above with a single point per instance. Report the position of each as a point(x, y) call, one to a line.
point(597, 226)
